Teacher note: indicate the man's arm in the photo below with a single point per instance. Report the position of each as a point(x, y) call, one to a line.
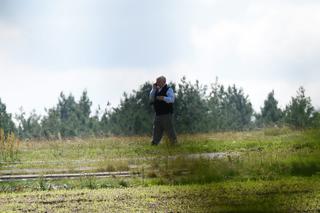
point(152, 95)
point(170, 96)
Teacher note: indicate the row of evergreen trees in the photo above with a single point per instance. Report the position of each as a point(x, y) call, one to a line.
point(198, 108)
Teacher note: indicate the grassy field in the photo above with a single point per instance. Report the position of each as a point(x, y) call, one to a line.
point(271, 170)
point(292, 195)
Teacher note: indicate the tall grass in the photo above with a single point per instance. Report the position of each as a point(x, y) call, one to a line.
point(9, 147)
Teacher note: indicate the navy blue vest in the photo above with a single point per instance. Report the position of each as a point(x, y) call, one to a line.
point(162, 107)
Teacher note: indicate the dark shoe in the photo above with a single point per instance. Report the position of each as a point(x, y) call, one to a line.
point(153, 143)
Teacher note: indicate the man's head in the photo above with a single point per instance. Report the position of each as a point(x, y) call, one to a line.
point(161, 81)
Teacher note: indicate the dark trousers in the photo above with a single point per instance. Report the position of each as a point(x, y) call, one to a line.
point(163, 123)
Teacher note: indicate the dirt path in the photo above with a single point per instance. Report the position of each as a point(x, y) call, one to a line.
point(61, 173)
point(63, 176)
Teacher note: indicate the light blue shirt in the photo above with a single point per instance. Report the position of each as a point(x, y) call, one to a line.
point(168, 99)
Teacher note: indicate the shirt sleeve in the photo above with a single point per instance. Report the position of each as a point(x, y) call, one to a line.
point(152, 95)
point(170, 96)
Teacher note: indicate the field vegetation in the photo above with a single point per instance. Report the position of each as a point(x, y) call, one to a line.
point(273, 170)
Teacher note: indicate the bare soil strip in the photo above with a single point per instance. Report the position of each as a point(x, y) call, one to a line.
point(63, 176)
point(8, 175)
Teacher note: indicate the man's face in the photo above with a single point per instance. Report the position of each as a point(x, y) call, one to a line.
point(160, 83)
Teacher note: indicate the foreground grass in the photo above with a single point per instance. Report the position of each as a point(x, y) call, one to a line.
point(290, 195)
point(272, 170)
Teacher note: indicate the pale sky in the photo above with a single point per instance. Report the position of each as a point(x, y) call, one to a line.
point(112, 46)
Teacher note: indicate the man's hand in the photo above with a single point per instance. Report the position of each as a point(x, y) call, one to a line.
point(154, 86)
point(160, 98)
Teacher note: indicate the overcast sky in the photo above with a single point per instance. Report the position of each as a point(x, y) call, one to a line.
point(112, 46)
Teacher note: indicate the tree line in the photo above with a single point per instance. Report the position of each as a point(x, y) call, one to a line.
point(198, 108)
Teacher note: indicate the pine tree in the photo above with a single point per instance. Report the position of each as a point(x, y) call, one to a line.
point(299, 111)
point(190, 107)
point(270, 113)
point(6, 122)
point(29, 127)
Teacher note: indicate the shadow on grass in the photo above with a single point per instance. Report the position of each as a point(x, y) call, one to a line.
point(305, 167)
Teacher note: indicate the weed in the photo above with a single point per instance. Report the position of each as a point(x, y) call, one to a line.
point(9, 147)
point(42, 184)
point(56, 150)
point(123, 183)
point(89, 182)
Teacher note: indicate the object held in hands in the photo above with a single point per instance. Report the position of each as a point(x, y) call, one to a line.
point(154, 86)
point(161, 98)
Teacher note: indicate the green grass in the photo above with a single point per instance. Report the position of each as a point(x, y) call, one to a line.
point(273, 169)
point(119, 148)
point(290, 195)
point(259, 154)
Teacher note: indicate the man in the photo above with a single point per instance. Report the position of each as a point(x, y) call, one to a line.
point(162, 98)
